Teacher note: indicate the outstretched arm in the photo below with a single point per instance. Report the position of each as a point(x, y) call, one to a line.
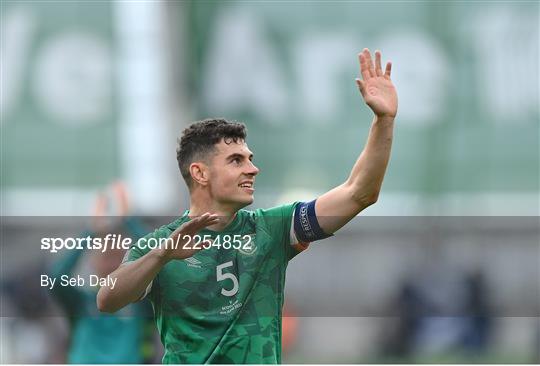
point(341, 204)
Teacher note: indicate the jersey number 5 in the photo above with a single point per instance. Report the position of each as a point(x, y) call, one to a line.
point(224, 276)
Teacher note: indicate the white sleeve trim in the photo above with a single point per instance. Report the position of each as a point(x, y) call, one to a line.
point(292, 235)
point(147, 291)
point(148, 288)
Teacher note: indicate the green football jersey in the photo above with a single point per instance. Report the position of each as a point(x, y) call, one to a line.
point(224, 304)
point(97, 338)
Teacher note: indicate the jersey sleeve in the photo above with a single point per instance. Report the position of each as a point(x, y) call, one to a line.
point(137, 249)
point(142, 246)
point(279, 223)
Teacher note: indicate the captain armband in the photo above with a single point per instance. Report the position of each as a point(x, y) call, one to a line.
point(306, 225)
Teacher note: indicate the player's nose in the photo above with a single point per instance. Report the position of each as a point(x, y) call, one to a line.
point(252, 169)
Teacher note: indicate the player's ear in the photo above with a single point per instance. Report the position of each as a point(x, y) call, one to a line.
point(199, 173)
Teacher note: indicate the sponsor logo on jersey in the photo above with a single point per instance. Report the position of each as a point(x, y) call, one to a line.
point(193, 262)
point(248, 246)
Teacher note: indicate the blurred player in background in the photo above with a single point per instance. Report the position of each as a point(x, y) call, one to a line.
point(125, 337)
point(224, 304)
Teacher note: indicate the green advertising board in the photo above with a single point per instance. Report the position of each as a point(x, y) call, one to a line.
point(58, 95)
point(466, 74)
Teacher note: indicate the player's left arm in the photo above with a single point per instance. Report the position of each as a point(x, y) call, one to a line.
point(341, 204)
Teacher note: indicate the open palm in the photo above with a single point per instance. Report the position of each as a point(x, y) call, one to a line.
point(376, 87)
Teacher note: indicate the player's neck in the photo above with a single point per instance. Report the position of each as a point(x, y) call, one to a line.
point(226, 214)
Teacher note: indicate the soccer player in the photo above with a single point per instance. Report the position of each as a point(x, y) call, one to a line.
point(223, 303)
point(96, 338)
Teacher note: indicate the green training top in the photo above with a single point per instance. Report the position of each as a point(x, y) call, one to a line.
point(99, 338)
point(224, 304)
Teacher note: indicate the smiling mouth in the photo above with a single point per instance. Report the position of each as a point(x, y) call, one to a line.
point(246, 185)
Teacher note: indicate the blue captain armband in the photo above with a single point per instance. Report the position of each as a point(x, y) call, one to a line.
point(306, 225)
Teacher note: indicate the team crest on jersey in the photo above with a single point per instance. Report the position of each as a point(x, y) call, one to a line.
point(248, 246)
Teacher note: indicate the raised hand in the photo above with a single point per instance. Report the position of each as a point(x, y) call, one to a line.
point(186, 234)
point(376, 87)
point(110, 208)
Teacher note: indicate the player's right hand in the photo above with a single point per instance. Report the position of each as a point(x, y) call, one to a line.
point(186, 234)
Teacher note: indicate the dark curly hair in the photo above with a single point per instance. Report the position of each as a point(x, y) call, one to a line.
point(199, 140)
